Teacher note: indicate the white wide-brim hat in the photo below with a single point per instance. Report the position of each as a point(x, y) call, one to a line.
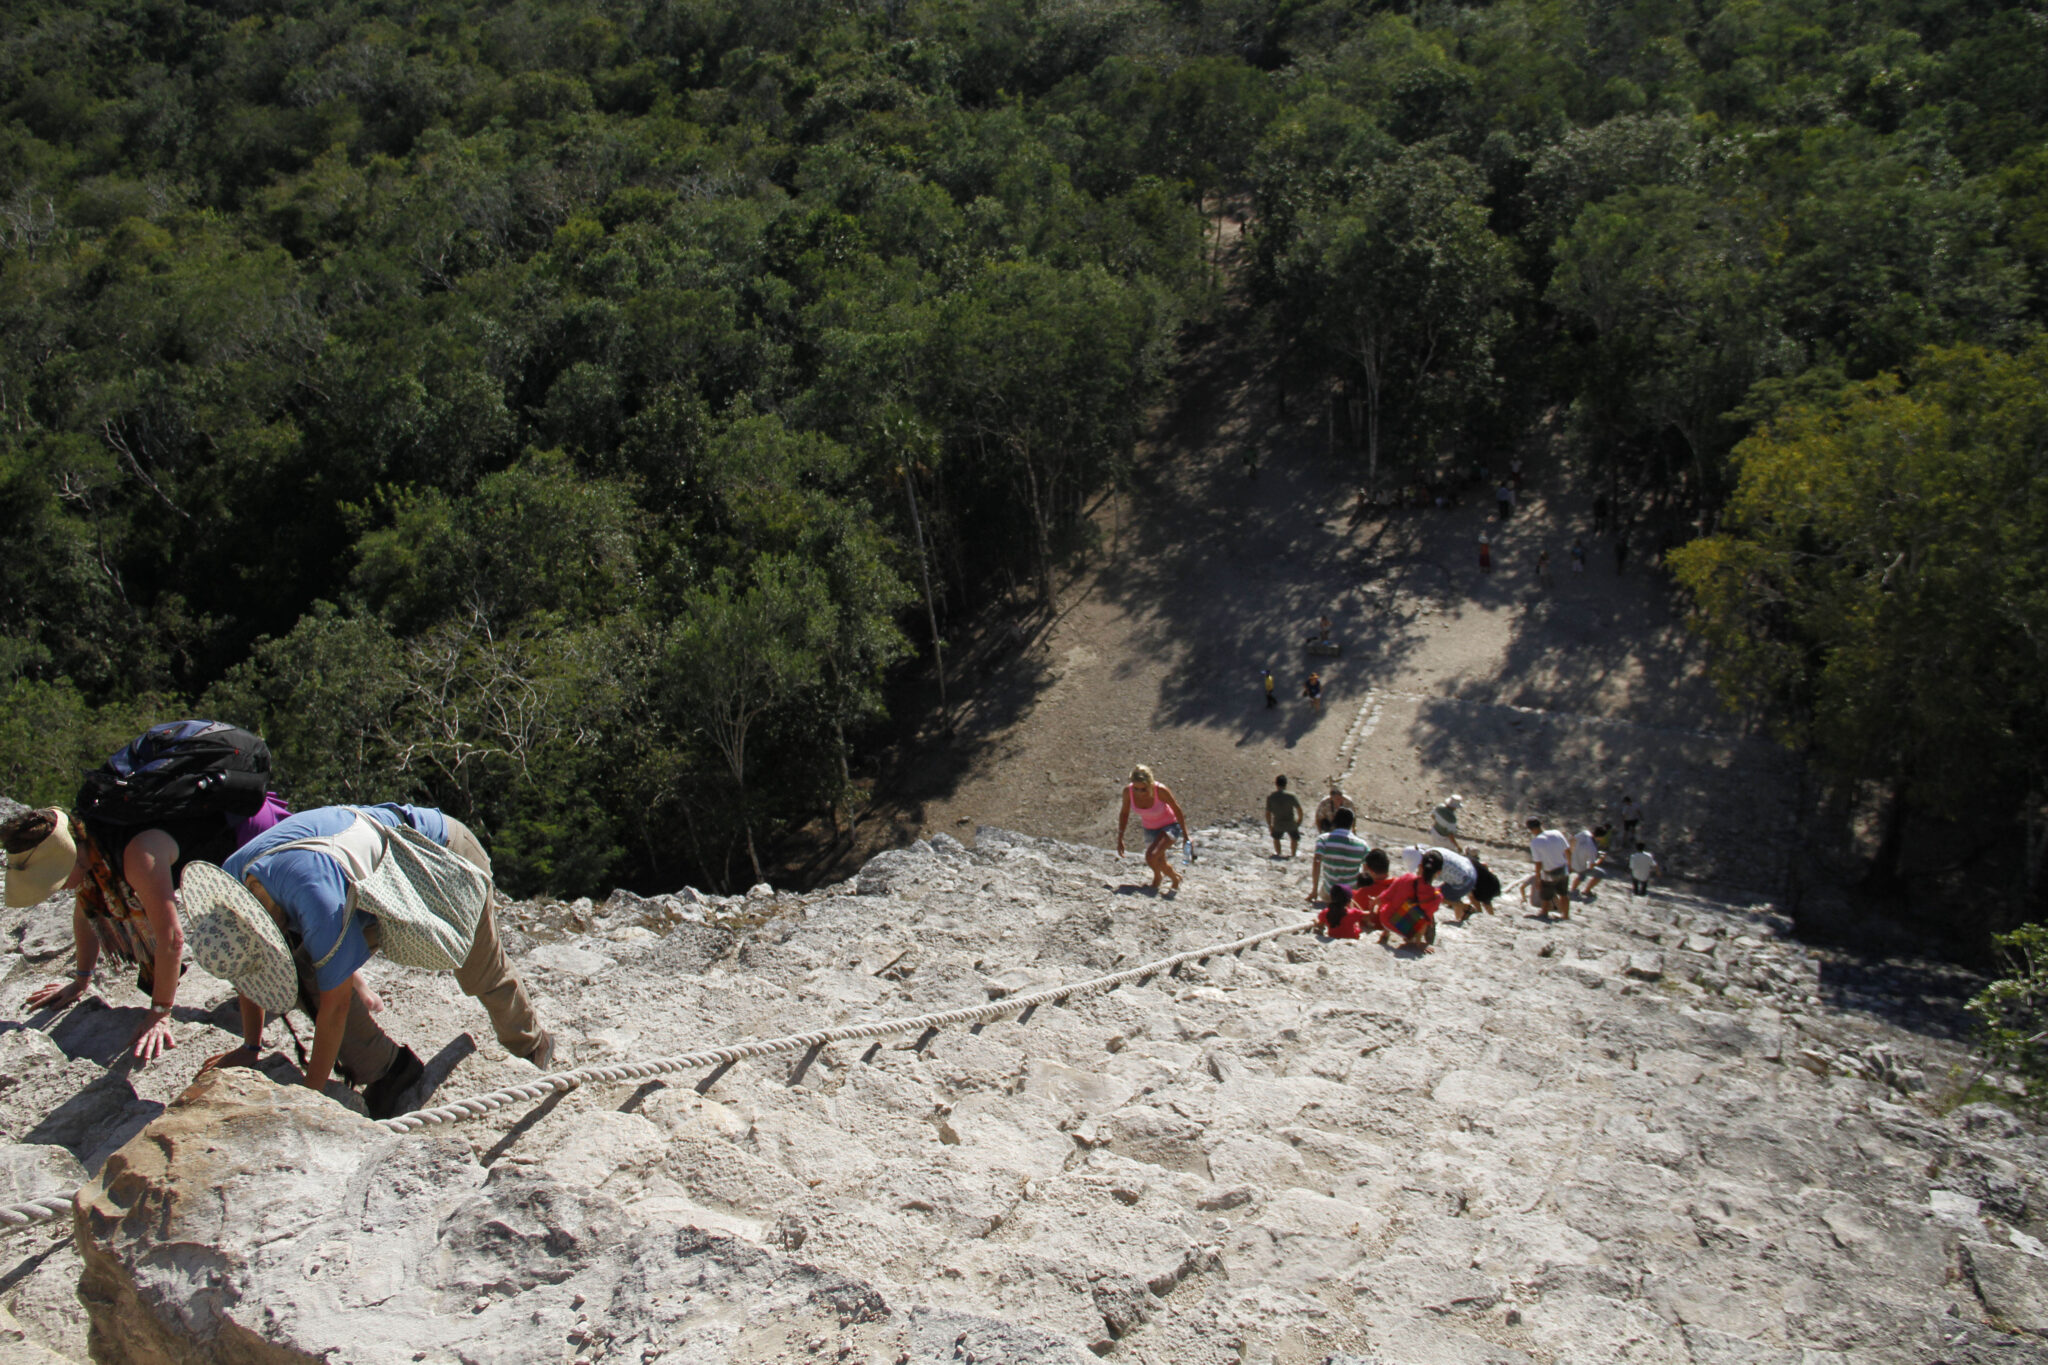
point(33, 875)
point(231, 935)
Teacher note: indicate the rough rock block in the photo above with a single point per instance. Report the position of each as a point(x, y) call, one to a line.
point(257, 1223)
point(2013, 1285)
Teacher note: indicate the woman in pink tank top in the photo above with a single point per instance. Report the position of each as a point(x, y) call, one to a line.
point(1161, 816)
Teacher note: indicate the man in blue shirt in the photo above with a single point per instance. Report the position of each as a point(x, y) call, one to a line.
point(306, 893)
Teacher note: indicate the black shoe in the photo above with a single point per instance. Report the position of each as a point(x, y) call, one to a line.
point(381, 1097)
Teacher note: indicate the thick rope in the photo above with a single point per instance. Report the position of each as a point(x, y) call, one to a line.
point(35, 1210)
point(57, 1205)
point(541, 1086)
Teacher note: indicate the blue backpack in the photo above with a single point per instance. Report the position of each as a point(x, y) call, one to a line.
point(180, 770)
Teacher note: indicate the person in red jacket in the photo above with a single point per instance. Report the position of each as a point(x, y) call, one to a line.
point(1407, 906)
point(1350, 911)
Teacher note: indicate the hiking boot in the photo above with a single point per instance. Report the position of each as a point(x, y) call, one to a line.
point(543, 1054)
point(381, 1096)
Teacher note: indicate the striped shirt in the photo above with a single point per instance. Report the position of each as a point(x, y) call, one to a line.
point(1342, 853)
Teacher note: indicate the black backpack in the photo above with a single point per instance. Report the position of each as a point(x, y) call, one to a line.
point(180, 770)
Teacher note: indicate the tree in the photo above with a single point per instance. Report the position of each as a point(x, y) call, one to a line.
point(738, 652)
point(1045, 375)
point(1404, 282)
point(1674, 289)
point(1880, 589)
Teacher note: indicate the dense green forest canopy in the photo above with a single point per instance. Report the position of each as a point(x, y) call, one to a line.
point(574, 412)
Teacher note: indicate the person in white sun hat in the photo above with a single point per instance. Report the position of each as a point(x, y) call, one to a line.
point(288, 920)
point(1444, 820)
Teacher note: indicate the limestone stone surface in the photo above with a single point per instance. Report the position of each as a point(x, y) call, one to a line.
point(1545, 1142)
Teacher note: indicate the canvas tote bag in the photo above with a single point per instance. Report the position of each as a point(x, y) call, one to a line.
point(427, 901)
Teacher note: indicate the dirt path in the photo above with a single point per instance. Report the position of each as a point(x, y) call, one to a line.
point(1522, 699)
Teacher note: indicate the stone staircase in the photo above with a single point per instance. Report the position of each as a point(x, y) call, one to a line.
point(1644, 1135)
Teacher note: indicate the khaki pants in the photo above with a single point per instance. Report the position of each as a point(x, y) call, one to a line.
point(367, 1051)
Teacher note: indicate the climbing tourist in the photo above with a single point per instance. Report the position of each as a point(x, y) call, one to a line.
point(1327, 808)
point(1407, 906)
point(285, 919)
point(183, 790)
point(1631, 819)
point(1485, 553)
point(1578, 554)
point(1161, 816)
point(1350, 910)
point(1485, 886)
point(1312, 688)
point(1271, 700)
point(1339, 855)
point(1552, 877)
point(1459, 879)
point(1444, 820)
point(1585, 862)
point(1504, 500)
point(1642, 865)
point(1283, 816)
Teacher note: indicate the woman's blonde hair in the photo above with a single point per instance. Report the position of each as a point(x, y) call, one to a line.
point(1143, 774)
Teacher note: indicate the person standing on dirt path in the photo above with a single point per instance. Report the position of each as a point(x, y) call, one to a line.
point(1631, 819)
point(1312, 688)
point(1515, 473)
point(1543, 577)
point(1504, 500)
point(1444, 820)
point(1551, 853)
point(1271, 700)
point(1327, 808)
point(1161, 816)
point(1578, 554)
point(1485, 553)
point(1283, 816)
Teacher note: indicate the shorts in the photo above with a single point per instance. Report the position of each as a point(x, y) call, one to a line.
point(1455, 885)
point(1555, 884)
point(1292, 831)
point(1171, 833)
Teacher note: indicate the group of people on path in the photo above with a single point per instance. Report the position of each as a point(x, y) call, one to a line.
point(175, 848)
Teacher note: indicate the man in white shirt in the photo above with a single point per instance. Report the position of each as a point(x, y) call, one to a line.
point(1585, 861)
point(1552, 856)
point(1642, 865)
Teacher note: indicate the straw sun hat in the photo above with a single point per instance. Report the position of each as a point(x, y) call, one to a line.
point(33, 875)
point(234, 938)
